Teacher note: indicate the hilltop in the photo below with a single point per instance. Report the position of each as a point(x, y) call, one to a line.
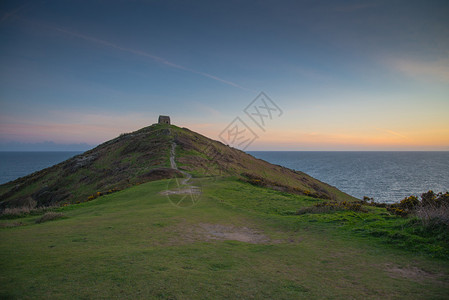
point(143, 156)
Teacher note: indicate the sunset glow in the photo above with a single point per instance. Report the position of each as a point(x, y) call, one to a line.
point(347, 76)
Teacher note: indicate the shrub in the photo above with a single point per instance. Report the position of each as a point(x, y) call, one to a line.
point(443, 198)
point(397, 211)
point(409, 202)
point(50, 216)
point(366, 199)
point(431, 209)
point(16, 211)
point(431, 215)
point(99, 194)
point(428, 198)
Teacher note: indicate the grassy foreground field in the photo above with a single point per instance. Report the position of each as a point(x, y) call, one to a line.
point(237, 241)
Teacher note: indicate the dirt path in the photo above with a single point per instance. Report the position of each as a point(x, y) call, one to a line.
point(183, 186)
point(172, 156)
point(187, 176)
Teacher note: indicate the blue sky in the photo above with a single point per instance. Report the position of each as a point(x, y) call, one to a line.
point(348, 75)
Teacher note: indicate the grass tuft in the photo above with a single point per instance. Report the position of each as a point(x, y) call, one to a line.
point(19, 212)
point(50, 216)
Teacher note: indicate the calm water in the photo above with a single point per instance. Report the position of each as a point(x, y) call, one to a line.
point(386, 176)
point(17, 164)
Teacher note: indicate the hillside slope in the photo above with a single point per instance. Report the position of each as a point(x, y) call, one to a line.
point(116, 164)
point(143, 156)
point(200, 155)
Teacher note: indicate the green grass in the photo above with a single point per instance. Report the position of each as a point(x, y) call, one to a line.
point(136, 244)
point(403, 233)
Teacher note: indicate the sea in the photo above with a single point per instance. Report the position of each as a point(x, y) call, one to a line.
point(385, 176)
point(18, 164)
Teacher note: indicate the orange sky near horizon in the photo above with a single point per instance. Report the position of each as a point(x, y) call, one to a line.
point(365, 137)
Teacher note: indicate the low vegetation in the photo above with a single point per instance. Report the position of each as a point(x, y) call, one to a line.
point(331, 206)
point(17, 212)
point(256, 180)
point(136, 244)
point(50, 216)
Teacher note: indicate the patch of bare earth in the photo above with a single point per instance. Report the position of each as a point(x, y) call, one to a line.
point(185, 233)
point(411, 272)
point(233, 233)
point(185, 191)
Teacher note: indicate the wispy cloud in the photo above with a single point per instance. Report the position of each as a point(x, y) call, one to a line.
point(427, 70)
point(137, 52)
point(391, 132)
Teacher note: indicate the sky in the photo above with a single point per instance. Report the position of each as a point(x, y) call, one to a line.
point(338, 75)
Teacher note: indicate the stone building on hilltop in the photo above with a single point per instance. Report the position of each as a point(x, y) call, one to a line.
point(164, 120)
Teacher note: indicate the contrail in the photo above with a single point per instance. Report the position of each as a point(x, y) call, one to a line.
point(146, 54)
point(135, 52)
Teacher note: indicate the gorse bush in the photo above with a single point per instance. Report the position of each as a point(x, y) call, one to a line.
point(436, 200)
point(99, 194)
point(410, 202)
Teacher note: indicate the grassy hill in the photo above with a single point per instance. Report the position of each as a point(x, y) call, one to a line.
point(143, 156)
point(239, 228)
